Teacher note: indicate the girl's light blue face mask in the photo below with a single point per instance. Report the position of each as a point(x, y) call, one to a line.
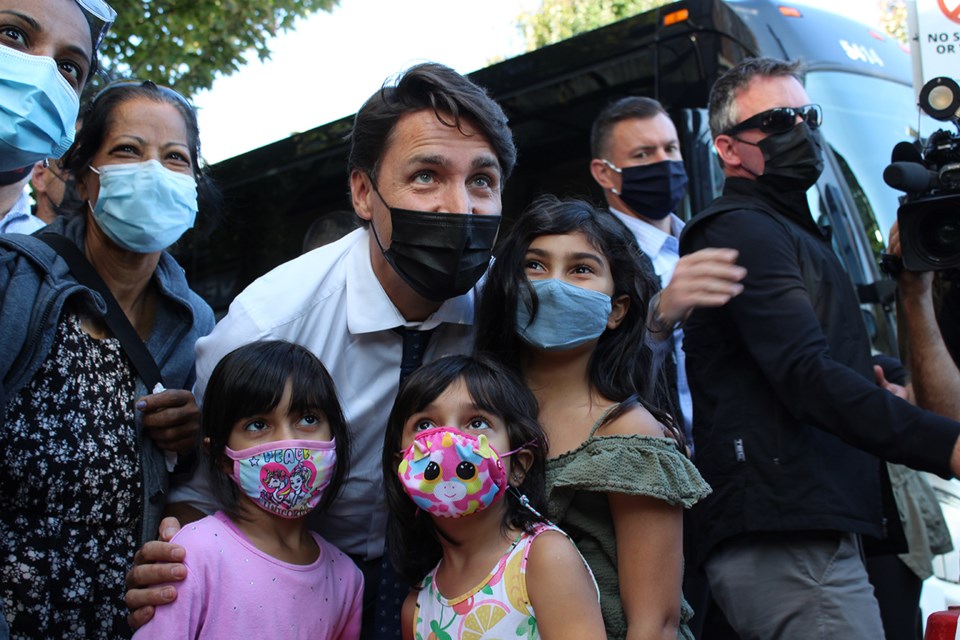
point(143, 206)
point(567, 315)
point(38, 110)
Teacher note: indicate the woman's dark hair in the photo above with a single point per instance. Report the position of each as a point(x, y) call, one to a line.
point(621, 366)
point(99, 116)
point(251, 380)
point(413, 539)
point(437, 88)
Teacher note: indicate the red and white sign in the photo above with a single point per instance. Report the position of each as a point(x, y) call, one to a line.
point(934, 27)
point(950, 9)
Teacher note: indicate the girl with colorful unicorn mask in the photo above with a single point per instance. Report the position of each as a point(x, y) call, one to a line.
point(278, 448)
point(463, 464)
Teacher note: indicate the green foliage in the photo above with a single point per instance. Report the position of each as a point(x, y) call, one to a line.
point(557, 20)
point(893, 18)
point(186, 43)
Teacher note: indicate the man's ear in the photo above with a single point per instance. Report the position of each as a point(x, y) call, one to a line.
point(522, 460)
point(361, 194)
point(603, 174)
point(40, 178)
point(727, 151)
point(618, 311)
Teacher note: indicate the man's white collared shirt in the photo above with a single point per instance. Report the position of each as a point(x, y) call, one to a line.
point(19, 219)
point(663, 249)
point(330, 301)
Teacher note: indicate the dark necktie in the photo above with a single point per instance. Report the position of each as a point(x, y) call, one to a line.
point(414, 346)
point(393, 589)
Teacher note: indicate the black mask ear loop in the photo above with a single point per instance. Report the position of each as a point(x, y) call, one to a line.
point(752, 144)
point(373, 227)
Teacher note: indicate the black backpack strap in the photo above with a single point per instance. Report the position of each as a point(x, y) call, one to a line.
point(116, 319)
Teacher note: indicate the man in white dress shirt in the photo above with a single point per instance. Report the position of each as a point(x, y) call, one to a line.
point(428, 160)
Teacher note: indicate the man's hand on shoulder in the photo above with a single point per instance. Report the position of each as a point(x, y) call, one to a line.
point(156, 563)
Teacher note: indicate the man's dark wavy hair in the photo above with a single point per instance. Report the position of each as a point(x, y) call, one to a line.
point(451, 96)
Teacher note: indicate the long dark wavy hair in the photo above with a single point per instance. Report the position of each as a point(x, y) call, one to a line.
point(621, 366)
point(413, 540)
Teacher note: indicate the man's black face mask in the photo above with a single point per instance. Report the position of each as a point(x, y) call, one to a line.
point(440, 255)
point(793, 160)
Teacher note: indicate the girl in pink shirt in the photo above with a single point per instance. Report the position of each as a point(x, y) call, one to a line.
point(278, 447)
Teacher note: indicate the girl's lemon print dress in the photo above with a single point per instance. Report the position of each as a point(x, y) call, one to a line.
point(497, 608)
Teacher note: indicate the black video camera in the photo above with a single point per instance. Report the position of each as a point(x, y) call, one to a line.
point(929, 215)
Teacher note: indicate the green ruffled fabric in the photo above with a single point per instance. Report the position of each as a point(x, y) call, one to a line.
point(632, 465)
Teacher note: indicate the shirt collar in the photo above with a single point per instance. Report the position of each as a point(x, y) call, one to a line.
point(369, 308)
point(19, 219)
point(650, 238)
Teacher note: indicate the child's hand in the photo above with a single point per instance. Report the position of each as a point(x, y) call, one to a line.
point(172, 419)
point(156, 563)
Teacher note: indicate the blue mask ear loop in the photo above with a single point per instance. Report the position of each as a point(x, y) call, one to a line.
point(616, 169)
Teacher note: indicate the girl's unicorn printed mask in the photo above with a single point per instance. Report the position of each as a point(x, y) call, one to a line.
point(285, 477)
point(450, 474)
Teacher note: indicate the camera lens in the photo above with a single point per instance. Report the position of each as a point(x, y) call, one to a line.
point(939, 235)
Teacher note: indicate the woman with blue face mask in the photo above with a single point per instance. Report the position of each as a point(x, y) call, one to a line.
point(88, 444)
point(565, 306)
point(47, 54)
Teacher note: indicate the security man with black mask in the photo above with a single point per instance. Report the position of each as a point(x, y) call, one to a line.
point(636, 159)
point(790, 424)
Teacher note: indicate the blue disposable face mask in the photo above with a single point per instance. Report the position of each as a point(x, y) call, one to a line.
point(38, 110)
point(143, 206)
point(567, 316)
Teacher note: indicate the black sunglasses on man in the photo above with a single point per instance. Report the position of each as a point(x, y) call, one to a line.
point(780, 119)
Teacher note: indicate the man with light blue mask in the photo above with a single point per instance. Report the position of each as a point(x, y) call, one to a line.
point(636, 159)
point(47, 54)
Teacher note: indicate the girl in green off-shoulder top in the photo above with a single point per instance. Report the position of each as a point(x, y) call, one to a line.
point(565, 305)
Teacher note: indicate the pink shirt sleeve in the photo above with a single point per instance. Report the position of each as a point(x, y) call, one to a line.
point(179, 619)
point(351, 575)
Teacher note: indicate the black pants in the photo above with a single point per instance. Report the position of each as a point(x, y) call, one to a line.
point(897, 589)
point(371, 579)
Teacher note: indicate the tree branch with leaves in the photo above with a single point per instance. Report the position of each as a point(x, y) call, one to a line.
point(186, 44)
